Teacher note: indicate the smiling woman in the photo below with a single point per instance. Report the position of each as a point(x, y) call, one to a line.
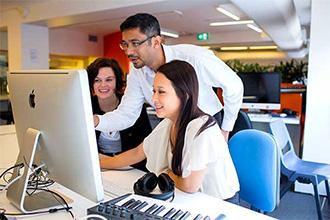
point(106, 87)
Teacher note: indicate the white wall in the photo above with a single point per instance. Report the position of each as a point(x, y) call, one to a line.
point(317, 130)
point(68, 42)
point(317, 124)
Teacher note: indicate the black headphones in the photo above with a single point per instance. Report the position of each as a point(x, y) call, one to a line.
point(148, 183)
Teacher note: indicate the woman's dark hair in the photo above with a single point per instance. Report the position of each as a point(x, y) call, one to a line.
point(185, 83)
point(147, 23)
point(93, 71)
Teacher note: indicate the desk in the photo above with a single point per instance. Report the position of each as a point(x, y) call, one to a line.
point(261, 122)
point(120, 182)
point(198, 201)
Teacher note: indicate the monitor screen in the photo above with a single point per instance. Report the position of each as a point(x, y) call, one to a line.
point(55, 103)
point(262, 91)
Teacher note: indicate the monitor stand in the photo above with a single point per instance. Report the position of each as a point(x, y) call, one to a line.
point(16, 192)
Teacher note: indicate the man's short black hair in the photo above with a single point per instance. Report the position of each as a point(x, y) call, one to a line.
point(147, 23)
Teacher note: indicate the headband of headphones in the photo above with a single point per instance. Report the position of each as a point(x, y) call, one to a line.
point(147, 183)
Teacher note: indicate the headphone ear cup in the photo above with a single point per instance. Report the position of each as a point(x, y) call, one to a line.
point(165, 183)
point(146, 184)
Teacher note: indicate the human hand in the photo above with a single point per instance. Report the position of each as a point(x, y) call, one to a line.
point(96, 120)
point(225, 134)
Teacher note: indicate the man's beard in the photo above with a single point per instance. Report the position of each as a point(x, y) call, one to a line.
point(137, 65)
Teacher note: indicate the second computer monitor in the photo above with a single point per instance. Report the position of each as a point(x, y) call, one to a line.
point(262, 91)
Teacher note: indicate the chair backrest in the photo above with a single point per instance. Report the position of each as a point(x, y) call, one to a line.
point(256, 159)
point(282, 136)
point(286, 149)
point(242, 122)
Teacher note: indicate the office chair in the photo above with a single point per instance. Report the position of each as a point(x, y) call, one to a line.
point(242, 122)
point(295, 168)
point(256, 159)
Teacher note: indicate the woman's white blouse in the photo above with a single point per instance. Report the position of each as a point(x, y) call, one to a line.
point(207, 151)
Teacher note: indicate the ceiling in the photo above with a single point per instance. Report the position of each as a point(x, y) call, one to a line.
point(186, 17)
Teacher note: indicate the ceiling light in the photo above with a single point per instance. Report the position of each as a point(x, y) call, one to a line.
point(270, 47)
point(229, 14)
point(169, 33)
point(255, 28)
point(234, 48)
point(231, 23)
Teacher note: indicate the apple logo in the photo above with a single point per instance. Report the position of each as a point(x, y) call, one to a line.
point(32, 102)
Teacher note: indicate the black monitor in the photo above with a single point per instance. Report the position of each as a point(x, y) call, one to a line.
point(262, 91)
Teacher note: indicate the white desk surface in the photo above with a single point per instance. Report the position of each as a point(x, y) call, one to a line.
point(7, 129)
point(269, 118)
point(117, 183)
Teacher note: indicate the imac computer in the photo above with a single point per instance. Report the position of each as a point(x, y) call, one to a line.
point(55, 131)
point(262, 91)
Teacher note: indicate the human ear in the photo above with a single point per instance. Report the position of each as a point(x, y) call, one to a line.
point(157, 41)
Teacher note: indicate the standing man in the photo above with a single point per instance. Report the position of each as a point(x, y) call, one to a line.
point(141, 42)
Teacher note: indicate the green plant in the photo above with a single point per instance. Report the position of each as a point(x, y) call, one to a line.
point(240, 67)
point(290, 70)
point(3, 85)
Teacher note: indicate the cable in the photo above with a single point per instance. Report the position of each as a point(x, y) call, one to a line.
point(37, 212)
point(4, 173)
point(21, 165)
point(52, 210)
point(37, 181)
point(93, 216)
point(11, 182)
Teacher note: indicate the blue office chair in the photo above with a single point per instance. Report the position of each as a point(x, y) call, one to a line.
point(296, 169)
point(256, 159)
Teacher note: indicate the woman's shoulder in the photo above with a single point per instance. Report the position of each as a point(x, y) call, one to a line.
point(198, 121)
point(195, 124)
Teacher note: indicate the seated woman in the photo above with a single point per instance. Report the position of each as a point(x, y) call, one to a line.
point(106, 86)
point(187, 144)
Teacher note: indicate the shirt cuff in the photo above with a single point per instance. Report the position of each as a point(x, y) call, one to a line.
point(102, 126)
point(227, 125)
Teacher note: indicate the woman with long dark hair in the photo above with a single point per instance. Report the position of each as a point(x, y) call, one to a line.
point(187, 144)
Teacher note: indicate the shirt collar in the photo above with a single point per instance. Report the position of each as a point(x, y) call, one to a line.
point(168, 52)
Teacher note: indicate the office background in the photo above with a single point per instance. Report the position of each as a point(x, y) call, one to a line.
point(35, 29)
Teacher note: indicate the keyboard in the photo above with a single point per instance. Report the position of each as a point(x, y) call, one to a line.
point(115, 190)
point(137, 207)
point(259, 116)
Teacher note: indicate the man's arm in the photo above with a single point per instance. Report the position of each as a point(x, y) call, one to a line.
point(218, 74)
point(127, 112)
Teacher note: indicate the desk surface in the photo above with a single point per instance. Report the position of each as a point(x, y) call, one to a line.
point(257, 117)
point(117, 183)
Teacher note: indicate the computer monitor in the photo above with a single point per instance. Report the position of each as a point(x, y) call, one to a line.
point(262, 91)
point(54, 126)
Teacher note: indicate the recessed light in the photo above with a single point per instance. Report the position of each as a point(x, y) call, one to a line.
point(231, 23)
point(169, 33)
point(228, 13)
point(234, 48)
point(255, 28)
